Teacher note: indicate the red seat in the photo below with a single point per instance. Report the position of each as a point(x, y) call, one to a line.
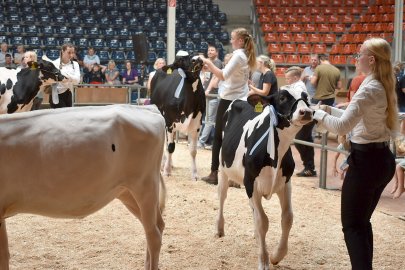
point(270, 37)
point(315, 10)
point(311, 3)
point(262, 10)
point(274, 10)
point(388, 17)
point(372, 9)
point(333, 19)
point(301, 10)
point(336, 49)
point(337, 3)
point(319, 48)
point(339, 60)
point(280, 71)
point(278, 58)
point(347, 19)
point(293, 59)
point(364, 18)
point(380, 27)
point(274, 48)
point(349, 2)
point(356, 27)
point(265, 18)
point(295, 27)
point(288, 10)
point(328, 11)
point(306, 18)
point(359, 38)
point(323, 3)
point(342, 10)
point(324, 28)
point(289, 48)
point(309, 27)
point(285, 3)
point(319, 18)
point(390, 27)
point(298, 3)
point(278, 18)
point(304, 48)
point(375, 18)
point(268, 27)
point(292, 18)
point(281, 27)
point(329, 38)
point(285, 37)
point(386, 36)
point(346, 38)
point(314, 38)
point(299, 37)
point(367, 27)
point(349, 49)
point(356, 10)
point(306, 59)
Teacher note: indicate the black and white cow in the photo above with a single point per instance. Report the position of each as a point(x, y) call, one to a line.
point(18, 87)
point(256, 152)
point(178, 93)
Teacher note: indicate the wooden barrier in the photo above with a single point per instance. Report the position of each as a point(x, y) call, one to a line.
point(91, 95)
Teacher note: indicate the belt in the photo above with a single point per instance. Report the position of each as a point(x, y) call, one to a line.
point(369, 146)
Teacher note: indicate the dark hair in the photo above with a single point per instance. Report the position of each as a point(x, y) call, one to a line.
point(7, 55)
point(212, 46)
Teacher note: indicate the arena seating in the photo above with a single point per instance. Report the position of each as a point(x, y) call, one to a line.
point(108, 25)
point(293, 29)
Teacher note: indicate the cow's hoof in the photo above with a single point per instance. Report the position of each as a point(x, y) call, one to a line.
point(220, 234)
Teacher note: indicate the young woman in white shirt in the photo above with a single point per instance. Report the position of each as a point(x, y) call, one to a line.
point(235, 76)
point(371, 117)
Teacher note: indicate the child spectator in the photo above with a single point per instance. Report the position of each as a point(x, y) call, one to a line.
point(96, 75)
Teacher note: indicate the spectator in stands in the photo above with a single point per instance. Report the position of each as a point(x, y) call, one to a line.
point(3, 52)
point(96, 75)
point(212, 102)
point(19, 55)
point(8, 62)
point(268, 82)
point(130, 75)
point(371, 118)
point(112, 75)
point(159, 63)
point(326, 80)
point(90, 59)
point(143, 73)
point(293, 80)
point(235, 76)
point(399, 187)
point(308, 73)
point(61, 95)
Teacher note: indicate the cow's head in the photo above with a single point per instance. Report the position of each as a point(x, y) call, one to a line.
point(190, 65)
point(291, 105)
point(29, 81)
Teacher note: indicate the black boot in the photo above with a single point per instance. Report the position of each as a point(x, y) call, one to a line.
point(212, 178)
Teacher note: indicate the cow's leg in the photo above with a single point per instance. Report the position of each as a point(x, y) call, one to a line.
point(284, 196)
point(192, 147)
point(4, 253)
point(170, 149)
point(261, 227)
point(222, 194)
point(150, 216)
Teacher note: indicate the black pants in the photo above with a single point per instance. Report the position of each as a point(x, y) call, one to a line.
point(217, 143)
point(307, 153)
point(368, 174)
point(328, 101)
point(65, 100)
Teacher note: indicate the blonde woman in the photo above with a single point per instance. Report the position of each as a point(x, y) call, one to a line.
point(159, 63)
point(235, 76)
point(371, 117)
point(268, 82)
point(29, 56)
point(112, 75)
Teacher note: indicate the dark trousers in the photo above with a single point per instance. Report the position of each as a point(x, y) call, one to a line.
point(217, 143)
point(368, 174)
point(307, 153)
point(65, 100)
point(328, 101)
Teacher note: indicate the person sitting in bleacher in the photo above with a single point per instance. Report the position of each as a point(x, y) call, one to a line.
point(112, 75)
point(96, 75)
point(130, 75)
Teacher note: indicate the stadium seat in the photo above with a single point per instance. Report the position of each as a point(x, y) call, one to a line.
point(131, 56)
point(275, 18)
point(359, 38)
point(309, 28)
point(268, 37)
point(62, 31)
point(289, 48)
point(103, 55)
point(78, 31)
point(346, 38)
point(4, 39)
point(82, 43)
point(15, 29)
point(119, 21)
point(151, 57)
point(278, 58)
point(94, 31)
point(333, 19)
point(53, 54)
point(74, 20)
point(38, 51)
point(59, 19)
point(306, 18)
point(113, 44)
point(329, 38)
point(306, 59)
point(293, 59)
point(314, 38)
point(274, 48)
point(282, 27)
point(299, 37)
point(123, 33)
point(347, 19)
point(50, 42)
point(3, 28)
point(284, 37)
point(29, 19)
point(161, 45)
point(109, 32)
point(128, 44)
point(304, 48)
point(224, 38)
point(319, 48)
point(89, 21)
point(324, 28)
point(280, 71)
point(97, 43)
point(336, 49)
point(338, 28)
point(356, 27)
point(203, 46)
point(118, 56)
point(349, 49)
point(295, 27)
point(189, 46)
point(33, 42)
point(319, 18)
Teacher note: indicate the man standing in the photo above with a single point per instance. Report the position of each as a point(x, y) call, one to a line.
point(307, 153)
point(308, 72)
point(61, 95)
point(212, 103)
point(326, 80)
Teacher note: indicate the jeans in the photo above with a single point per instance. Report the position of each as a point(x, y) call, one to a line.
point(368, 174)
point(212, 107)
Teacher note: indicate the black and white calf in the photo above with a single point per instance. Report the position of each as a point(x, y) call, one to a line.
point(178, 93)
point(19, 87)
point(256, 152)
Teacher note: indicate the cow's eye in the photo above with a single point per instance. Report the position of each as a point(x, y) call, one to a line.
point(283, 99)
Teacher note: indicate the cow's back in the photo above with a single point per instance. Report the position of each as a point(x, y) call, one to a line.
point(68, 152)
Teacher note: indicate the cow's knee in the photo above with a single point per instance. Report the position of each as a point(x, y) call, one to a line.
point(170, 147)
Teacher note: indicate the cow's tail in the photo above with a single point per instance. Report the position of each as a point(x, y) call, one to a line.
point(162, 194)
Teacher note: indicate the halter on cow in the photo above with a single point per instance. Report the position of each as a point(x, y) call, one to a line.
point(256, 152)
point(178, 93)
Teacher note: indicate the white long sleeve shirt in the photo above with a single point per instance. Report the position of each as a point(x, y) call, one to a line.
point(71, 71)
point(236, 74)
point(365, 116)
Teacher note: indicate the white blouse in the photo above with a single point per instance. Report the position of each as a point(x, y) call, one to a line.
point(365, 116)
point(236, 74)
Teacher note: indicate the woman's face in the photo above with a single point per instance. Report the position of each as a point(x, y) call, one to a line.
point(128, 65)
point(111, 65)
point(236, 41)
point(68, 54)
point(160, 64)
point(365, 60)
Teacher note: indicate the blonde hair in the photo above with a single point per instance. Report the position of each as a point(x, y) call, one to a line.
point(248, 45)
point(267, 62)
point(32, 55)
point(383, 72)
point(155, 65)
point(295, 71)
